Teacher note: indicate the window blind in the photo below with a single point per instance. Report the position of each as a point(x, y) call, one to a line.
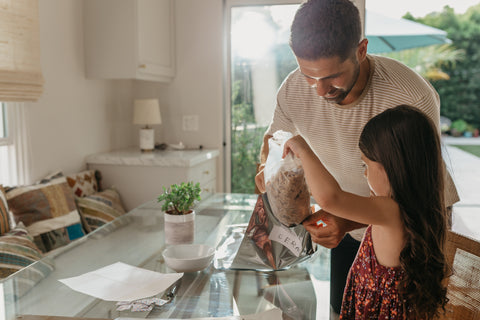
point(20, 71)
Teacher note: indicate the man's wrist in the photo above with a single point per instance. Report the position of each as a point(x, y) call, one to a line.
point(353, 225)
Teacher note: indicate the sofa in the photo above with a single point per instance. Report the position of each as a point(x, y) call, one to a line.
point(36, 220)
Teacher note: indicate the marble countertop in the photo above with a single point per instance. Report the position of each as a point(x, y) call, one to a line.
point(162, 158)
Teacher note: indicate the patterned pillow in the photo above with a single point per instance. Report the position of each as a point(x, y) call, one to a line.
point(17, 251)
point(48, 211)
point(50, 177)
point(100, 208)
point(4, 219)
point(83, 183)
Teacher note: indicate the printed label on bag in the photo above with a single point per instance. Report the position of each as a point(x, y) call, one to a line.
point(287, 238)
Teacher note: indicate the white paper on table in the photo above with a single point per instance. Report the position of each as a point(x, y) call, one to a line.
point(121, 282)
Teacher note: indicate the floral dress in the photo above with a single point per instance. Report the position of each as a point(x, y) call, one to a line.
point(371, 289)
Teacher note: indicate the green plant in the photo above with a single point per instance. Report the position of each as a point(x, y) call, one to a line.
point(180, 199)
point(460, 125)
point(459, 95)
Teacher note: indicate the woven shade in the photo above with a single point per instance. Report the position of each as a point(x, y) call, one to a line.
point(20, 72)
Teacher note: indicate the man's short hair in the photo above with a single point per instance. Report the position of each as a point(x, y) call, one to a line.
point(325, 29)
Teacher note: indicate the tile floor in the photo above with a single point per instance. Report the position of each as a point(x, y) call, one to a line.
point(465, 169)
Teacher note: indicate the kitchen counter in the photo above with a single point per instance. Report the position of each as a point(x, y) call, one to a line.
point(162, 158)
point(140, 177)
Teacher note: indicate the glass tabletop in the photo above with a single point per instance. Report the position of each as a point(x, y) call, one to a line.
point(137, 238)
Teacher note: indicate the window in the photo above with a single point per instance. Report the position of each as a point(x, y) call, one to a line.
point(20, 80)
point(3, 124)
point(260, 58)
point(5, 143)
point(14, 144)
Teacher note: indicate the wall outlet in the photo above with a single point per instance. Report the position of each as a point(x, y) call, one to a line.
point(190, 123)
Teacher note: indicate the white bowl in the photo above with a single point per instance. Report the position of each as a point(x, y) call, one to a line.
point(188, 257)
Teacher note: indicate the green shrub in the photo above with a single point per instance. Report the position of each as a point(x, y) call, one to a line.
point(459, 125)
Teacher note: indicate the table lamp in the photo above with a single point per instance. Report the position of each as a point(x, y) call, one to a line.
point(146, 112)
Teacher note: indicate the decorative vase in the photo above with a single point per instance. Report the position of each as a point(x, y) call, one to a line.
point(179, 229)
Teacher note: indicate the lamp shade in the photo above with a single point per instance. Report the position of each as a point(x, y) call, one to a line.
point(146, 111)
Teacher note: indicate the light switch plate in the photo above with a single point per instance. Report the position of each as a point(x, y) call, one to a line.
point(190, 123)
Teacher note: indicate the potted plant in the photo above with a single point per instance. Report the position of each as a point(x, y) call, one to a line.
point(178, 203)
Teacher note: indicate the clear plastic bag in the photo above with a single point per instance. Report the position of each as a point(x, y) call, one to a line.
point(285, 184)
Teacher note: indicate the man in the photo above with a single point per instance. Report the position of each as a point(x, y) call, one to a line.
point(328, 99)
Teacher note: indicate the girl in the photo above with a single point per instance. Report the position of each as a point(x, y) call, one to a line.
point(400, 266)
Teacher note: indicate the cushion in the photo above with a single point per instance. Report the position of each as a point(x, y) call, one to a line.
point(50, 177)
point(83, 183)
point(17, 251)
point(48, 211)
point(4, 218)
point(100, 208)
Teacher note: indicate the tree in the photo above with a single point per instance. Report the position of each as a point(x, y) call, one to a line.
point(430, 61)
point(460, 95)
point(246, 136)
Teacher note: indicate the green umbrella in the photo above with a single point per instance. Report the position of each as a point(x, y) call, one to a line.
point(387, 34)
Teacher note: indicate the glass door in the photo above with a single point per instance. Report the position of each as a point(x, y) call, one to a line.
point(259, 59)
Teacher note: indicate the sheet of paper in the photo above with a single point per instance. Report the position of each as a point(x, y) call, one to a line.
point(121, 282)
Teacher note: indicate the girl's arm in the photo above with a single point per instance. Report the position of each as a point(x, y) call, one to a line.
point(330, 197)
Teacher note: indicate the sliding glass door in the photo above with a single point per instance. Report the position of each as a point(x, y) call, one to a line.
point(259, 59)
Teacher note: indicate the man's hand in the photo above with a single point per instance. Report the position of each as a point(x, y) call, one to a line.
point(330, 235)
point(260, 179)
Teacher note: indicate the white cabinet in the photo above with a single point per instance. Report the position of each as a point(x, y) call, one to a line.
point(129, 39)
point(140, 177)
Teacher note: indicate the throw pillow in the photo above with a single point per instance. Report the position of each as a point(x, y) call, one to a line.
point(83, 183)
point(100, 208)
point(17, 251)
point(4, 219)
point(48, 211)
point(50, 177)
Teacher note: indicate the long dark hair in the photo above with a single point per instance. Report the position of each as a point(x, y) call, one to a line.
point(406, 143)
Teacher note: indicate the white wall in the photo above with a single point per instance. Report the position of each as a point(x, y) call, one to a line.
point(75, 116)
point(198, 86)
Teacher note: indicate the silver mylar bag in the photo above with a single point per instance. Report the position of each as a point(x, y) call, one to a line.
point(265, 244)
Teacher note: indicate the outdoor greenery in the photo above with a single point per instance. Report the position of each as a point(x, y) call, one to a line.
point(246, 142)
point(460, 94)
point(473, 149)
point(180, 199)
point(246, 135)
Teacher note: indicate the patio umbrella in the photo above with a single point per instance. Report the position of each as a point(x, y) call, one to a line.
point(387, 34)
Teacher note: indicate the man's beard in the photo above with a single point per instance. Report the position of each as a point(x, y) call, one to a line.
point(343, 93)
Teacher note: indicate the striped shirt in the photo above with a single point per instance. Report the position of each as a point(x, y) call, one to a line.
point(333, 130)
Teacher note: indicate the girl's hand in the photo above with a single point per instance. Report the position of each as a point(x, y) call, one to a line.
point(297, 145)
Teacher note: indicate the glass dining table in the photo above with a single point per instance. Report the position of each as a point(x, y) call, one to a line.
point(137, 239)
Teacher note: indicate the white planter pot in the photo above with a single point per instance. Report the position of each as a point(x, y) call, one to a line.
point(179, 229)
